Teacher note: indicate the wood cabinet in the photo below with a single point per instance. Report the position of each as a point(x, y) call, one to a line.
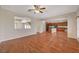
point(60, 26)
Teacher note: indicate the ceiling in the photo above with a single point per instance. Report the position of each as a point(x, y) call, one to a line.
point(51, 10)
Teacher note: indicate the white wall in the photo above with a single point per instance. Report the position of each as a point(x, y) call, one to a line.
point(78, 27)
point(56, 20)
point(78, 24)
point(72, 26)
point(42, 26)
point(7, 30)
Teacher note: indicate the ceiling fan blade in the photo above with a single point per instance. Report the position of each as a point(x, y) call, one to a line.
point(41, 11)
point(36, 6)
point(42, 8)
point(30, 9)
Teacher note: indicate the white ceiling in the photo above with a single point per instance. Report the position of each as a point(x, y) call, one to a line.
point(51, 10)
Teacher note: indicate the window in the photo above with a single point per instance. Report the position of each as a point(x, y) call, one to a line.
point(22, 23)
point(18, 24)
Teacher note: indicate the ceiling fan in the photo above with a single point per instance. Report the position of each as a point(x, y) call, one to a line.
point(37, 9)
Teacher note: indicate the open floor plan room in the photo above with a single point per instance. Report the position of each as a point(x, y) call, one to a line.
point(39, 29)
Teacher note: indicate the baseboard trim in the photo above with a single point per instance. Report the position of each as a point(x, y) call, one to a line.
point(73, 38)
point(17, 37)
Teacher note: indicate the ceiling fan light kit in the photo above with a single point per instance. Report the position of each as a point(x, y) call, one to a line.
point(36, 11)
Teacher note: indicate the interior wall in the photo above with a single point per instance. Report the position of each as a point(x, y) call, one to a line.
point(42, 26)
point(72, 26)
point(7, 30)
point(78, 28)
point(78, 25)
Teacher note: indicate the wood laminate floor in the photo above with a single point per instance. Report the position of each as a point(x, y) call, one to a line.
point(41, 43)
